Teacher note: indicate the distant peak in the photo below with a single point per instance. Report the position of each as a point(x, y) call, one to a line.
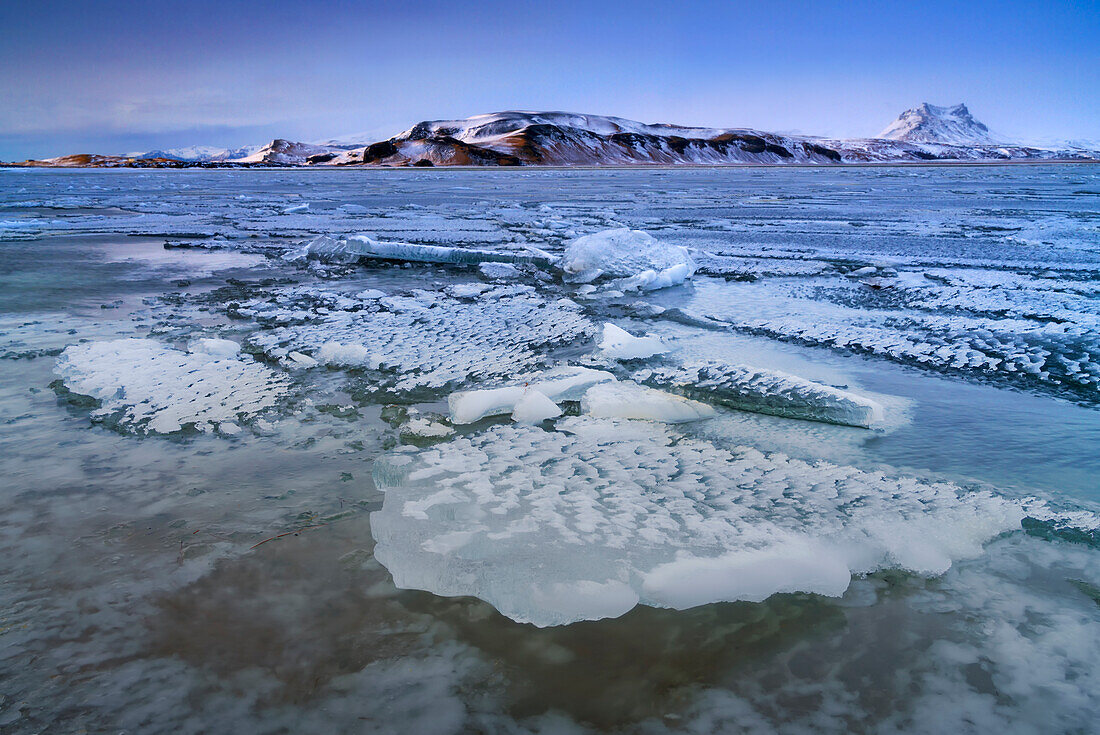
point(930, 123)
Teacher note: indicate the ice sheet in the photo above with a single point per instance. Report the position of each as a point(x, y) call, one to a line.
point(551, 527)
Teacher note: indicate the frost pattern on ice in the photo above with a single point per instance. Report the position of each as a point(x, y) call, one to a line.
point(765, 391)
point(430, 340)
point(144, 386)
point(552, 527)
point(1057, 349)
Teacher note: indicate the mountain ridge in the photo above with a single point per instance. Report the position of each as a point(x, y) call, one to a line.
point(555, 138)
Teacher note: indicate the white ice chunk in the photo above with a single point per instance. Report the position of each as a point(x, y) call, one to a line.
point(625, 253)
point(619, 344)
point(498, 271)
point(559, 384)
point(632, 401)
point(300, 360)
point(426, 428)
point(431, 340)
point(144, 386)
point(354, 247)
point(349, 355)
point(297, 209)
point(534, 408)
point(215, 347)
point(468, 290)
point(370, 294)
point(651, 280)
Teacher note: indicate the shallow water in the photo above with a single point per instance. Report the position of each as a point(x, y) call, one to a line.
point(222, 580)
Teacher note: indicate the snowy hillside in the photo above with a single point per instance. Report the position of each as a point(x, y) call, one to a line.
point(198, 153)
point(282, 151)
point(932, 124)
point(568, 139)
point(561, 138)
point(515, 138)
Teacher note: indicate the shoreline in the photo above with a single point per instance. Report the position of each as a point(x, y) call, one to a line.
point(579, 167)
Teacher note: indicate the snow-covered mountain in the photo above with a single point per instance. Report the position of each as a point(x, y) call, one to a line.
point(932, 124)
point(516, 138)
point(198, 153)
point(282, 151)
point(562, 139)
point(568, 139)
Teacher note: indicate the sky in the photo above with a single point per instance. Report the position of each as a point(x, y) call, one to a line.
point(110, 76)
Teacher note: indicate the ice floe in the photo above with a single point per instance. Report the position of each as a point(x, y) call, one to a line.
point(427, 340)
point(585, 522)
point(619, 344)
point(1048, 348)
point(625, 400)
point(356, 247)
point(644, 262)
point(144, 386)
point(765, 391)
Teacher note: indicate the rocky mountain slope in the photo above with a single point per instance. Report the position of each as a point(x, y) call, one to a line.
point(514, 138)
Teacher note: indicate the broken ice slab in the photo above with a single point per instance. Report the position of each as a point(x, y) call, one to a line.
point(628, 400)
point(144, 386)
point(430, 340)
point(356, 247)
point(619, 344)
point(765, 391)
point(583, 523)
point(625, 253)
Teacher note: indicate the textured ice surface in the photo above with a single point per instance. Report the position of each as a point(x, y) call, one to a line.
point(765, 391)
point(1006, 642)
point(144, 386)
point(429, 340)
point(551, 527)
point(1043, 350)
point(356, 247)
point(630, 254)
point(628, 400)
point(619, 344)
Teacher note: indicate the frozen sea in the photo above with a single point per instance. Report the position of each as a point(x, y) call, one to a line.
point(300, 536)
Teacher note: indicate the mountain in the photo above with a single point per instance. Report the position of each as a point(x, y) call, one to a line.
point(931, 124)
point(198, 153)
point(516, 138)
point(280, 151)
point(569, 139)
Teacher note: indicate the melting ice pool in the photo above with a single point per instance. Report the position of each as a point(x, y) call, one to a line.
point(191, 528)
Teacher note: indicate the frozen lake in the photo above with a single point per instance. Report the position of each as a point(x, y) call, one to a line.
point(883, 515)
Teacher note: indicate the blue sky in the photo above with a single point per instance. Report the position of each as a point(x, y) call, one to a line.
point(110, 76)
